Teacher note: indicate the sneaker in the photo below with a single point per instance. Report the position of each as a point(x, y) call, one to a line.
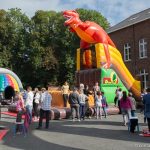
point(73, 120)
point(79, 120)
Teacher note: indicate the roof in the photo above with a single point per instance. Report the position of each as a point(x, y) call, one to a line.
point(134, 19)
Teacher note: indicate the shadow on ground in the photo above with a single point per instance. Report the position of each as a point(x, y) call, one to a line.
point(31, 142)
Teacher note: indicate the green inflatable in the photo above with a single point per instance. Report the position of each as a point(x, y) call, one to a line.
point(109, 82)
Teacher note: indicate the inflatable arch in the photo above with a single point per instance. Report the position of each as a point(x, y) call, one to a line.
point(9, 78)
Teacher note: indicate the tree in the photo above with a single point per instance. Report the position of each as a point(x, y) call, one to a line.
point(69, 42)
point(49, 33)
point(5, 44)
point(93, 15)
point(41, 49)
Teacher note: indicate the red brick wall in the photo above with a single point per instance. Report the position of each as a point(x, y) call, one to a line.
point(132, 35)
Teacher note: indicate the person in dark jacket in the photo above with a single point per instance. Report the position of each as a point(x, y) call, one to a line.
point(104, 104)
point(74, 104)
point(146, 102)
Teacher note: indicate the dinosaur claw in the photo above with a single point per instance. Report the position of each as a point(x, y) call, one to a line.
point(106, 66)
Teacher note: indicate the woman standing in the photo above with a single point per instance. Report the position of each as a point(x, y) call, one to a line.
point(65, 93)
point(126, 106)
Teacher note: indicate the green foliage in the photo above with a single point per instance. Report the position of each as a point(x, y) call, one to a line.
point(93, 15)
point(41, 49)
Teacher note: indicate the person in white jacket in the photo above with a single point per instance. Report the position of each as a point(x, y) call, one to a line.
point(36, 101)
point(29, 102)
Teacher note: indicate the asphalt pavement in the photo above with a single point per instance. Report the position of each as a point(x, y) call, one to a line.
point(91, 134)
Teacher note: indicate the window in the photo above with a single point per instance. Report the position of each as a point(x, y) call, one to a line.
point(127, 52)
point(142, 48)
point(144, 78)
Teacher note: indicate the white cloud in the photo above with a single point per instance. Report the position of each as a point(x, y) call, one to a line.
point(117, 10)
point(114, 10)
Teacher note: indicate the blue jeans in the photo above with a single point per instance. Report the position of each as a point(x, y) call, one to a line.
point(47, 115)
point(98, 112)
point(105, 111)
point(29, 111)
point(82, 111)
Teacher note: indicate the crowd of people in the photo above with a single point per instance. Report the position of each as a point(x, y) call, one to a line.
point(38, 103)
point(79, 98)
point(124, 100)
point(127, 105)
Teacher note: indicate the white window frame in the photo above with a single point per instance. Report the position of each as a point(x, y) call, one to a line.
point(127, 52)
point(142, 48)
point(145, 81)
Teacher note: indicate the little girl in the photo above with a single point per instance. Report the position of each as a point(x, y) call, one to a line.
point(19, 107)
point(98, 103)
point(104, 104)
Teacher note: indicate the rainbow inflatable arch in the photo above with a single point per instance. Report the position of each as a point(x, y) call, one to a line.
point(9, 78)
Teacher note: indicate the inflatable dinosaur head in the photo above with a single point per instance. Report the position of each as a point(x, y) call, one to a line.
point(72, 17)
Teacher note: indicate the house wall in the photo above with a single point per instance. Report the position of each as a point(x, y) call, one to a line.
point(132, 35)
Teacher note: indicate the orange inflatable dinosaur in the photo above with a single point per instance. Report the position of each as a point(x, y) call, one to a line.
point(89, 32)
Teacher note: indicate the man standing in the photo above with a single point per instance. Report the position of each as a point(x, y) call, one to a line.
point(74, 104)
point(29, 102)
point(45, 101)
point(146, 102)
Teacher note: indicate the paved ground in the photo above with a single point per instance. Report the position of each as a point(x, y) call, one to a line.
point(105, 134)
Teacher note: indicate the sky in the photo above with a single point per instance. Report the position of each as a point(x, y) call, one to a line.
point(114, 10)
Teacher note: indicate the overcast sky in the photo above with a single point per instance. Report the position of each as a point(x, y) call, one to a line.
point(114, 10)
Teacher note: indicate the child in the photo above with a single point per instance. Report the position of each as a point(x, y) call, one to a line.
point(98, 103)
point(19, 107)
point(82, 100)
point(20, 110)
point(104, 104)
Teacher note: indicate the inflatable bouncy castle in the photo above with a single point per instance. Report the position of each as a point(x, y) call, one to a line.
point(9, 83)
point(98, 59)
point(8, 78)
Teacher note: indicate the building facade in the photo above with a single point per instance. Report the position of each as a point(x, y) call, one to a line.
point(132, 39)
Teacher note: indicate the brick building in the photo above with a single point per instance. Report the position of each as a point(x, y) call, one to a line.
point(132, 39)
